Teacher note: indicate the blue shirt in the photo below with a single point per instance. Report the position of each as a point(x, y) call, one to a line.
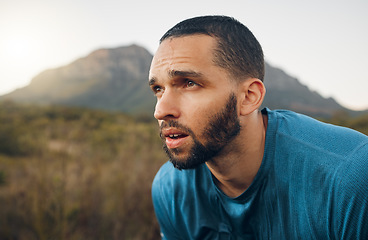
point(312, 184)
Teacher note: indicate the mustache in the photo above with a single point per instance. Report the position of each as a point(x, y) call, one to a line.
point(175, 124)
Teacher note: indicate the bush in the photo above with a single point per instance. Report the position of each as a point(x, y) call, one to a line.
point(74, 173)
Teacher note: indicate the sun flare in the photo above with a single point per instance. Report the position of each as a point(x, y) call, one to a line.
point(18, 48)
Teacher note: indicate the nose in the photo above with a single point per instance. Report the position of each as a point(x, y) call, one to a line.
point(167, 106)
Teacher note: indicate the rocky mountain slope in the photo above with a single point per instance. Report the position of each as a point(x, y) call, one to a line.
point(111, 79)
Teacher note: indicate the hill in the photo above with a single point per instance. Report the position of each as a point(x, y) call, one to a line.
point(110, 79)
point(116, 79)
point(286, 92)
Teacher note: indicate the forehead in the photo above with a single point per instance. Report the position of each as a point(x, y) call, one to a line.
point(194, 52)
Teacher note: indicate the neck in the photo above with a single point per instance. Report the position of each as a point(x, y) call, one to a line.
point(237, 165)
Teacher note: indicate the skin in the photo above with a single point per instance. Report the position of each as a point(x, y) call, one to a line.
point(190, 89)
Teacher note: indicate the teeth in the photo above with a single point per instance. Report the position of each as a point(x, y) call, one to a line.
point(174, 135)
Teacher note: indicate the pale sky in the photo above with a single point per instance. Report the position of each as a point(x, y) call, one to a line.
point(323, 43)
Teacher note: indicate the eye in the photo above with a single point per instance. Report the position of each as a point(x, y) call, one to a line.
point(157, 89)
point(190, 84)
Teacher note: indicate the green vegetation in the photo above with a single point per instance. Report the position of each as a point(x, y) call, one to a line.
point(73, 173)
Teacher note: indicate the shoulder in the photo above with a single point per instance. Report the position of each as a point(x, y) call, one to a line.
point(294, 123)
point(350, 199)
point(351, 177)
point(162, 197)
point(168, 177)
point(170, 182)
point(337, 158)
point(164, 173)
point(173, 191)
point(316, 135)
point(163, 180)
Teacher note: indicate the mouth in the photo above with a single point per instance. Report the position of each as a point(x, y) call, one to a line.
point(174, 138)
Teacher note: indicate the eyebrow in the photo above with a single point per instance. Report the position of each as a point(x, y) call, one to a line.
point(152, 81)
point(178, 73)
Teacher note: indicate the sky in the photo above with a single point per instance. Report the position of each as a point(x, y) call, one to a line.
point(323, 43)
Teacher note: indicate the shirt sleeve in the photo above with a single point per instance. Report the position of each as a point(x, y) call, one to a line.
point(351, 199)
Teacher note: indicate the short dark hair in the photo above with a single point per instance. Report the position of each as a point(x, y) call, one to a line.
point(238, 51)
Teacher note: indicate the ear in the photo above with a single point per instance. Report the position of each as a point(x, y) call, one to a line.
point(252, 95)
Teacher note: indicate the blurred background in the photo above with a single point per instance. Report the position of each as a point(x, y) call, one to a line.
point(78, 144)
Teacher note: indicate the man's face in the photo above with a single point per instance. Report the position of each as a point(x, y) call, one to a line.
point(196, 101)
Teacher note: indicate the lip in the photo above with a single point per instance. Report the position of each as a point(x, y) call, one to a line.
point(174, 142)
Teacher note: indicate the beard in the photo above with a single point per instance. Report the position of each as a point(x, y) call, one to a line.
point(222, 128)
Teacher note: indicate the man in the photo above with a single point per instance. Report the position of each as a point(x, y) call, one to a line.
point(237, 172)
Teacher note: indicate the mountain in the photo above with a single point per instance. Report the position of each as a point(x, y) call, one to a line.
point(116, 79)
point(111, 79)
point(286, 92)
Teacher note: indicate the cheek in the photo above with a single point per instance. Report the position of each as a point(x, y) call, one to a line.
point(199, 116)
point(198, 109)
